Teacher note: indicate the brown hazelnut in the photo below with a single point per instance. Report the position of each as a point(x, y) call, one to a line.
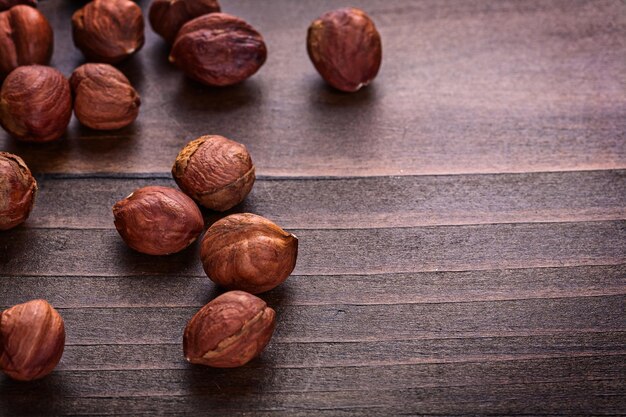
point(7, 4)
point(108, 30)
point(345, 48)
point(218, 49)
point(26, 38)
point(168, 16)
point(158, 220)
point(17, 191)
point(216, 172)
point(32, 339)
point(248, 252)
point(35, 104)
point(229, 331)
point(104, 99)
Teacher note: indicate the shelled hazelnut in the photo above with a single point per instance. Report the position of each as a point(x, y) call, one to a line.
point(26, 38)
point(229, 331)
point(17, 191)
point(108, 30)
point(168, 16)
point(345, 48)
point(248, 252)
point(7, 4)
point(158, 220)
point(104, 99)
point(218, 49)
point(216, 172)
point(35, 104)
point(32, 339)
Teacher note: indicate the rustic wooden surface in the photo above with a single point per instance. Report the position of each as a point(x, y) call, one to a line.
point(461, 222)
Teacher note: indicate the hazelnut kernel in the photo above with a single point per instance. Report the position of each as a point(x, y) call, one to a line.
point(158, 220)
point(26, 38)
point(108, 30)
point(35, 104)
point(216, 172)
point(17, 191)
point(345, 48)
point(218, 49)
point(168, 16)
point(229, 331)
point(248, 252)
point(32, 339)
point(104, 99)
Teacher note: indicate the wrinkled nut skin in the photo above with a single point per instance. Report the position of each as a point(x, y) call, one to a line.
point(35, 104)
point(345, 48)
point(17, 191)
point(104, 99)
point(7, 4)
point(32, 339)
point(26, 38)
point(218, 49)
point(229, 331)
point(158, 220)
point(216, 172)
point(168, 16)
point(249, 253)
point(108, 31)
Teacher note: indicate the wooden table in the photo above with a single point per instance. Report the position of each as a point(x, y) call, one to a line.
point(461, 222)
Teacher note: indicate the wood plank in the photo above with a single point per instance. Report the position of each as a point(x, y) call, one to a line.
point(478, 87)
point(53, 252)
point(379, 289)
point(79, 202)
point(341, 323)
point(205, 381)
point(111, 357)
point(584, 398)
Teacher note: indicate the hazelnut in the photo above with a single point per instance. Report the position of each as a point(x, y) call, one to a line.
point(32, 338)
point(218, 49)
point(158, 220)
point(26, 38)
point(17, 191)
point(104, 99)
point(345, 48)
point(216, 172)
point(248, 252)
point(168, 16)
point(7, 4)
point(108, 30)
point(229, 331)
point(35, 104)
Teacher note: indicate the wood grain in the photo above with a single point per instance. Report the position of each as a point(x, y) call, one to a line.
point(607, 397)
point(317, 203)
point(301, 290)
point(465, 87)
point(331, 252)
point(343, 323)
point(462, 223)
point(84, 357)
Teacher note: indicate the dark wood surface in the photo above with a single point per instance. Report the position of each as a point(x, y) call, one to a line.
point(461, 222)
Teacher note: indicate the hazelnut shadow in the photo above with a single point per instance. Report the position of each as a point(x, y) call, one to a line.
point(132, 68)
point(228, 386)
point(131, 262)
point(323, 96)
point(42, 397)
point(195, 97)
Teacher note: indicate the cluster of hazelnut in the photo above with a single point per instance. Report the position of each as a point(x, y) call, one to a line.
point(244, 253)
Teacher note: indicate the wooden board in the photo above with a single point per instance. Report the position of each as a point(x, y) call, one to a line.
point(461, 222)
